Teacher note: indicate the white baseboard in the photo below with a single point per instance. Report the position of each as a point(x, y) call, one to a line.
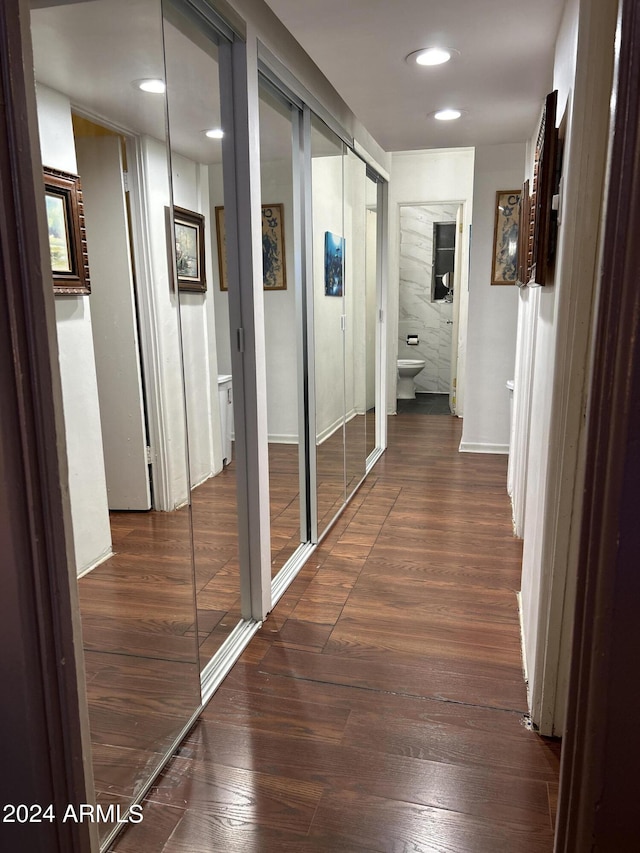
point(522, 648)
point(282, 439)
point(329, 431)
point(471, 447)
point(107, 555)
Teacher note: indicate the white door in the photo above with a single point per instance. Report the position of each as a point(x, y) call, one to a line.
point(113, 317)
point(457, 282)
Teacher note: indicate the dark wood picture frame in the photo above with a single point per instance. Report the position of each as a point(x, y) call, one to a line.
point(67, 232)
point(188, 236)
point(504, 267)
point(273, 248)
point(525, 237)
point(544, 180)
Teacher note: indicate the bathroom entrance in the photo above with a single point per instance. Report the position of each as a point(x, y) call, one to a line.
point(429, 306)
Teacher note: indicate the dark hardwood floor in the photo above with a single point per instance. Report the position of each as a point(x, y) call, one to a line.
point(143, 647)
point(382, 706)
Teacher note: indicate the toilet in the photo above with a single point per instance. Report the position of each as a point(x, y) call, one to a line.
point(408, 369)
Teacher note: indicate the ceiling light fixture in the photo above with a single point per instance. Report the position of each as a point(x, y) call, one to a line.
point(153, 85)
point(431, 55)
point(215, 133)
point(447, 115)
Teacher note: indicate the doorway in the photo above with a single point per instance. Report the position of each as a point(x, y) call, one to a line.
point(101, 155)
point(429, 302)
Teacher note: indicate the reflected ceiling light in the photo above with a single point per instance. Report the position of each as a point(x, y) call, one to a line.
point(215, 133)
point(449, 114)
point(431, 55)
point(152, 84)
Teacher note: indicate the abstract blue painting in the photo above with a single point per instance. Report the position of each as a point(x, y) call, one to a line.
point(333, 264)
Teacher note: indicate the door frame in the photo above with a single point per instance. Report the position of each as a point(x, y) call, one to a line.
point(598, 802)
point(461, 273)
point(588, 112)
point(45, 738)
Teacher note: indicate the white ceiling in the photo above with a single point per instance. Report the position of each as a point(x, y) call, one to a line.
point(94, 51)
point(500, 77)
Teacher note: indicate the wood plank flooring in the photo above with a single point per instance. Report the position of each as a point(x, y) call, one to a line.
point(144, 645)
point(381, 706)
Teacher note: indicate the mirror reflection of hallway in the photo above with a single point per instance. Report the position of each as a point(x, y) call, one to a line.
point(283, 318)
point(123, 380)
point(193, 99)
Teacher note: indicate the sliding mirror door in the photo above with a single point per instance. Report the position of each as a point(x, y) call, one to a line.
point(102, 118)
point(355, 365)
point(201, 284)
point(329, 248)
point(283, 310)
point(372, 188)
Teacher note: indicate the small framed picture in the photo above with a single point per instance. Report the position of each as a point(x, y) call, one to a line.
point(505, 237)
point(67, 233)
point(333, 264)
point(188, 232)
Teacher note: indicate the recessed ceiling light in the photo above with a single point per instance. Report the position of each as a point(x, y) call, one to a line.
point(447, 115)
point(153, 85)
point(215, 133)
point(431, 55)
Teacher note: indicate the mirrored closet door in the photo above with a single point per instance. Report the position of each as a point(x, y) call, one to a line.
point(328, 283)
point(201, 285)
point(355, 354)
point(100, 76)
point(283, 303)
point(373, 189)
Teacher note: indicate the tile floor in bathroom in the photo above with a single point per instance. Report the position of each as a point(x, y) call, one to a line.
point(425, 404)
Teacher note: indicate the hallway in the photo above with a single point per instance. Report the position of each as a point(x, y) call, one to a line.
point(380, 707)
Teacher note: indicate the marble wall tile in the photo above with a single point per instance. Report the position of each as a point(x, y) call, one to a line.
point(417, 313)
point(444, 381)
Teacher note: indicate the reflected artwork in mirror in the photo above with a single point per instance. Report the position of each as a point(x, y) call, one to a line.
point(283, 309)
point(192, 73)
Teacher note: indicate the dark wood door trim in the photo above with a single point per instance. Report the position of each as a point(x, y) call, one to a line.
point(41, 732)
point(598, 799)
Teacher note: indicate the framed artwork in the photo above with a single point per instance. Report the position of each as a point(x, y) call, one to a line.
point(274, 272)
point(505, 237)
point(542, 241)
point(524, 238)
point(67, 233)
point(333, 264)
point(273, 258)
point(188, 233)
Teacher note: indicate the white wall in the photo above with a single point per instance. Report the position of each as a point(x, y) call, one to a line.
point(87, 484)
point(355, 178)
point(540, 307)
point(280, 316)
point(164, 305)
point(220, 298)
point(493, 309)
point(548, 488)
point(197, 318)
point(418, 177)
point(327, 212)
point(371, 308)
point(431, 321)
